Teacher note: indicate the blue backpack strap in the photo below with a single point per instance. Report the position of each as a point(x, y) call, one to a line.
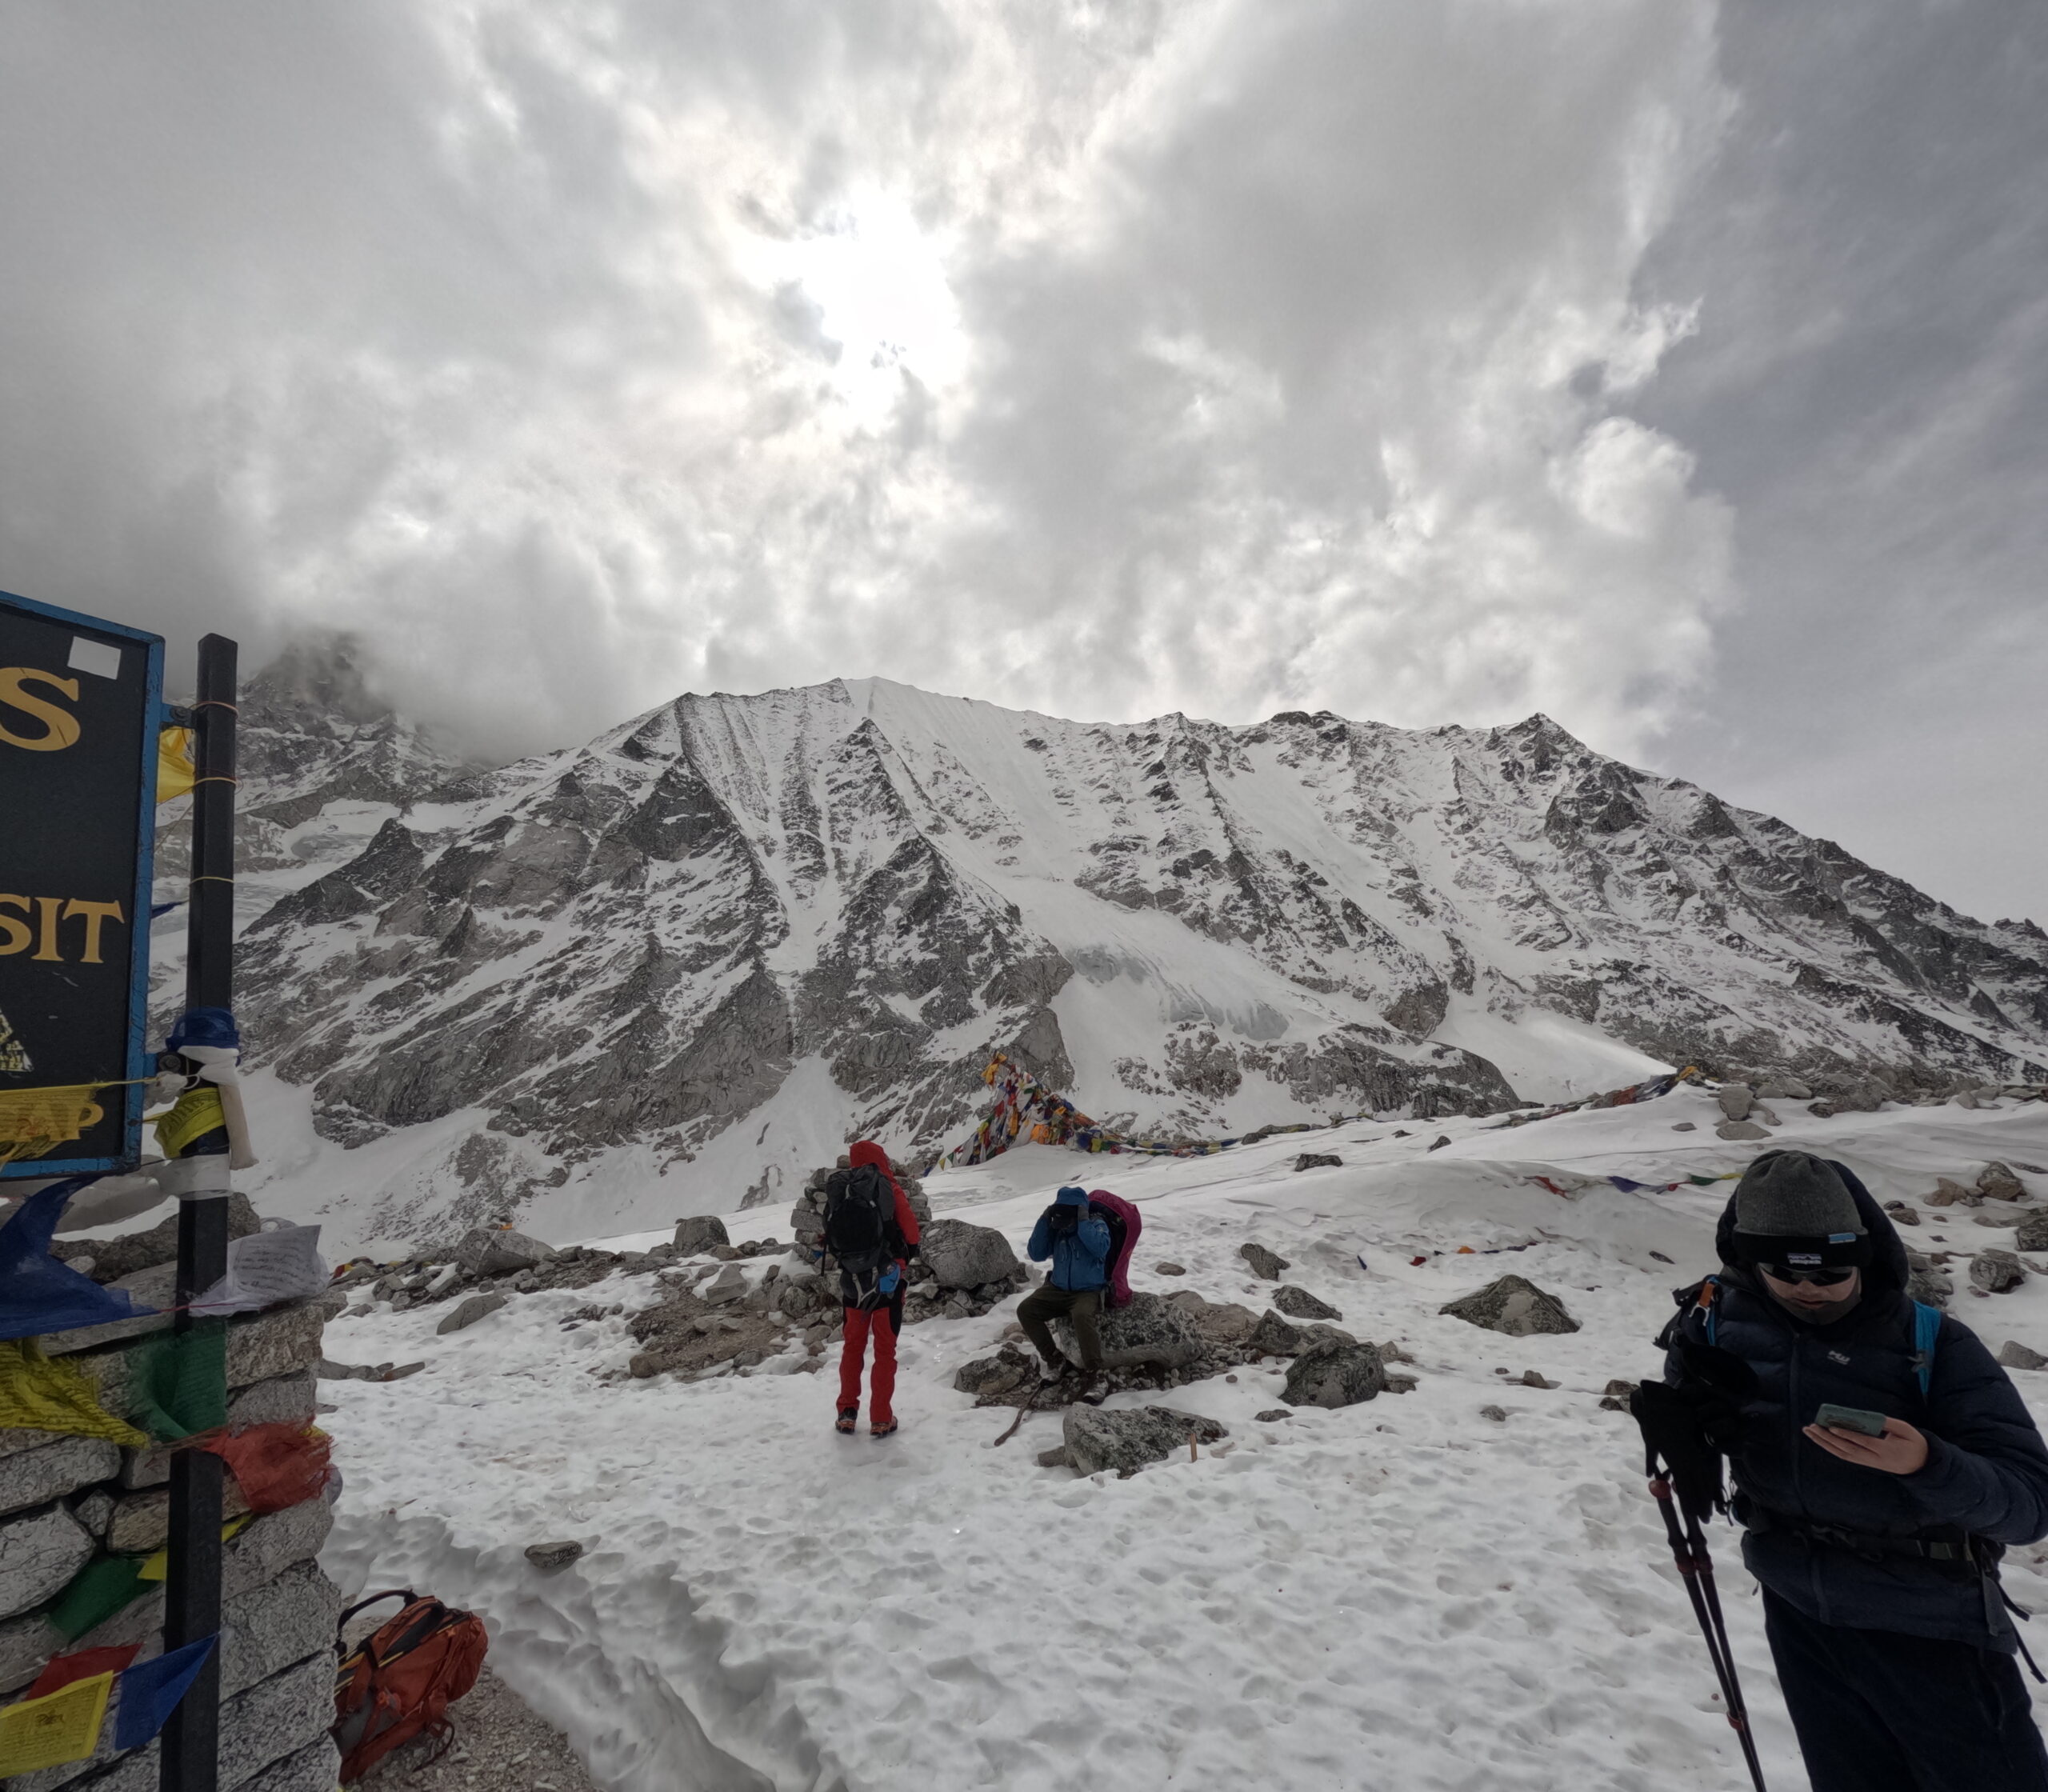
point(1710, 1298)
point(1927, 1329)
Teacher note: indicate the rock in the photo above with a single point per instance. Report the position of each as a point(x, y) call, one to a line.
point(990, 1377)
point(1736, 1100)
point(1057, 1458)
point(40, 1551)
point(1951, 1194)
point(275, 1718)
point(1514, 1307)
point(1170, 1269)
point(1995, 1182)
point(1499, 1413)
point(1151, 1329)
point(1273, 1337)
point(1740, 1129)
point(1684, 1126)
point(1223, 1322)
point(29, 1477)
point(1272, 1414)
point(964, 1256)
point(1531, 1377)
point(1263, 1262)
point(727, 1286)
point(282, 1399)
point(550, 1557)
point(1298, 1303)
point(2032, 1232)
point(486, 1251)
point(1319, 1160)
point(1615, 1397)
point(1329, 1373)
point(467, 1313)
point(112, 1258)
point(1927, 1281)
point(1439, 1142)
point(1784, 1089)
point(1997, 1272)
point(2016, 1355)
point(699, 1235)
point(1902, 1214)
point(1098, 1438)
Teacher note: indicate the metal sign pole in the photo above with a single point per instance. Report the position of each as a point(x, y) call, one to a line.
point(192, 1587)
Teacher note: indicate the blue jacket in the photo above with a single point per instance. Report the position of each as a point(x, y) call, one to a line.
point(1079, 1256)
point(1987, 1472)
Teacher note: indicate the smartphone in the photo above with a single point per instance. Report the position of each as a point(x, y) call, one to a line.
point(1850, 1418)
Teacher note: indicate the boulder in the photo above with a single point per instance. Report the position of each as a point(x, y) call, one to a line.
point(484, 1250)
point(1319, 1160)
point(1684, 1126)
point(2016, 1355)
point(1516, 1307)
point(1927, 1281)
point(1740, 1130)
point(1996, 1181)
point(1902, 1214)
point(964, 1256)
point(1151, 1329)
point(1096, 1439)
point(1298, 1303)
point(1274, 1337)
point(1736, 1100)
point(1784, 1089)
point(1263, 1262)
point(465, 1313)
point(2034, 1232)
point(699, 1235)
point(1271, 1415)
point(1224, 1323)
point(1329, 1374)
point(1948, 1193)
point(991, 1377)
point(727, 1286)
point(1997, 1272)
point(550, 1557)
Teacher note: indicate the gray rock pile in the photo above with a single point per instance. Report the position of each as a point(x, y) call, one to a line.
point(65, 1501)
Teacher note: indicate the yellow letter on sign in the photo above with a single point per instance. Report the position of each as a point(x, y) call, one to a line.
point(62, 725)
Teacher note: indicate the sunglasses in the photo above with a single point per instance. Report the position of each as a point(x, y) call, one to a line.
point(1820, 1278)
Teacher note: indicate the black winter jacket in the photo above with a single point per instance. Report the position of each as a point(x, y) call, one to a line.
point(1987, 1472)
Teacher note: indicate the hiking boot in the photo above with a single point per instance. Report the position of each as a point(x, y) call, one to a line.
point(1093, 1388)
point(849, 1417)
point(882, 1429)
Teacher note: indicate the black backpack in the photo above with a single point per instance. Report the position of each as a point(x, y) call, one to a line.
point(861, 1232)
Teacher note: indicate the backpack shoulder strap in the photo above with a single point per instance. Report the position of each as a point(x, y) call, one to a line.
point(1926, 1330)
point(1708, 1300)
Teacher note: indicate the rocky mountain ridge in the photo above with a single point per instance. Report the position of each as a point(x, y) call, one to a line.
point(685, 962)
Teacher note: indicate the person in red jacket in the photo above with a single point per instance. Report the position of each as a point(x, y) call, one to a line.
point(871, 1285)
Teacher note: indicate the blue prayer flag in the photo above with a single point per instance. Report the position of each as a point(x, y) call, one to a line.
point(37, 1293)
point(150, 1690)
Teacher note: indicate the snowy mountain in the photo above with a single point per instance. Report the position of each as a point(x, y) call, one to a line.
point(672, 970)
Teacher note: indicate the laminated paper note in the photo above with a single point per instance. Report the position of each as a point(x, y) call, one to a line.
point(280, 1263)
point(47, 1732)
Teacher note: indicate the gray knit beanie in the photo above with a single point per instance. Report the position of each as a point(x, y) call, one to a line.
point(1791, 1206)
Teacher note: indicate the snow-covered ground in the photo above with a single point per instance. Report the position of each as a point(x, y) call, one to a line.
point(1404, 1594)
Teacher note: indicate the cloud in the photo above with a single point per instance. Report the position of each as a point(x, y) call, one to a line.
point(1219, 357)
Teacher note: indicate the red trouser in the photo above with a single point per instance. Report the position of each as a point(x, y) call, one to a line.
point(883, 1323)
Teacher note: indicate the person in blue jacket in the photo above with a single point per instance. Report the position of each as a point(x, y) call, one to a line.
point(1077, 1242)
point(1877, 1555)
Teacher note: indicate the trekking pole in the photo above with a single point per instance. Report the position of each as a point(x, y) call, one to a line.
point(1696, 1569)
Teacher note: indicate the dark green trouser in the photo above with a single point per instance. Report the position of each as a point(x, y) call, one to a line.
point(1078, 1311)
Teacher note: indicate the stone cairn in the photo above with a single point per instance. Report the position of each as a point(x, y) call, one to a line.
point(67, 1501)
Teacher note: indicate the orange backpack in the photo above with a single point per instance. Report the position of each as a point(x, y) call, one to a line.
point(400, 1681)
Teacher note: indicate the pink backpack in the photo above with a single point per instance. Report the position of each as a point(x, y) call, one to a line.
point(1125, 1223)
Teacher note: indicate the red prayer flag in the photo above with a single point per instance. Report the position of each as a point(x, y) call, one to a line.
point(60, 1671)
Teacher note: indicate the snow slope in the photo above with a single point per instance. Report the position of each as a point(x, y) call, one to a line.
point(649, 976)
point(1403, 1593)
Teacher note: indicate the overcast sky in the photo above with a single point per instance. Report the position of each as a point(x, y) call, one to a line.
point(1673, 368)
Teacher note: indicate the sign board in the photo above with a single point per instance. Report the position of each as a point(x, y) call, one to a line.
point(80, 703)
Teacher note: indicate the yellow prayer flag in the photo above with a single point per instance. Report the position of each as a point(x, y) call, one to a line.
point(175, 768)
point(33, 1120)
point(198, 1110)
point(43, 1393)
point(63, 1725)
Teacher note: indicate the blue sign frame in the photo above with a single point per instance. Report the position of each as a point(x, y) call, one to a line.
point(141, 1060)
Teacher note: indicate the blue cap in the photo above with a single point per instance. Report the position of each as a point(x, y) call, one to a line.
point(1071, 1197)
point(205, 1026)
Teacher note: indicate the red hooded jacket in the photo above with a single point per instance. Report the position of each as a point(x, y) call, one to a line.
point(868, 1152)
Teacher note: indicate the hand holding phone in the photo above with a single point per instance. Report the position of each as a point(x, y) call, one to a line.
point(1850, 1418)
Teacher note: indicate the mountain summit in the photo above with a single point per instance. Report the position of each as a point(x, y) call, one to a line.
point(685, 962)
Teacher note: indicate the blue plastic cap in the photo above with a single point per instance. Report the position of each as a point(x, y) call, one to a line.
point(205, 1026)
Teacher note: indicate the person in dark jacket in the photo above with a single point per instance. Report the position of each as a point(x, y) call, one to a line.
point(1078, 1243)
point(882, 1323)
point(1877, 1554)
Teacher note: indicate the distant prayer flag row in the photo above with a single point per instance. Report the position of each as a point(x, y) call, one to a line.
point(64, 1714)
